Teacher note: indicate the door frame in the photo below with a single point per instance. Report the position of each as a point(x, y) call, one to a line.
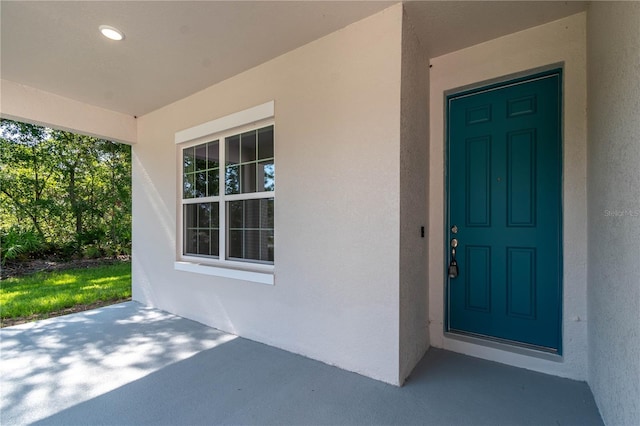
point(475, 88)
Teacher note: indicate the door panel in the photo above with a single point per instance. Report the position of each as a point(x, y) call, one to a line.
point(478, 182)
point(504, 197)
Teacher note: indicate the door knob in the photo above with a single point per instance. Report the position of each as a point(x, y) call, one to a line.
point(453, 264)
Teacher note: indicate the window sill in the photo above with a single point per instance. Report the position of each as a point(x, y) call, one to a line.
point(238, 274)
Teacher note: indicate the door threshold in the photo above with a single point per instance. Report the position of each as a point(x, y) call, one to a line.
point(505, 345)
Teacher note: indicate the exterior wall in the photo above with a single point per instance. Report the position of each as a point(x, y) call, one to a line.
point(24, 103)
point(562, 41)
point(614, 210)
point(414, 176)
point(337, 129)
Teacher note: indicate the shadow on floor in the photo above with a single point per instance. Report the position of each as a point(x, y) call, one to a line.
point(244, 382)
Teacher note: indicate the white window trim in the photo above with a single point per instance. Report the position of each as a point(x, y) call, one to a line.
point(205, 269)
point(229, 122)
point(258, 116)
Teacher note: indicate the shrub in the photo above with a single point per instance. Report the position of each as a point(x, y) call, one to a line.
point(92, 252)
point(20, 244)
point(69, 250)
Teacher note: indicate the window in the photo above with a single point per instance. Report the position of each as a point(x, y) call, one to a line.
point(241, 204)
point(228, 195)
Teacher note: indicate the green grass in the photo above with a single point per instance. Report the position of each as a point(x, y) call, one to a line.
point(47, 293)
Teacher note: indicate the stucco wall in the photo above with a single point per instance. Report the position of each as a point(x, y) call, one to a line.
point(414, 163)
point(562, 41)
point(614, 210)
point(337, 130)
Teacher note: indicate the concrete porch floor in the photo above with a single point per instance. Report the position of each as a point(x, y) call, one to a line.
point(128, 364)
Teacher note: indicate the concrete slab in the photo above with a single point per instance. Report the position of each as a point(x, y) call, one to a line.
point(128, 364)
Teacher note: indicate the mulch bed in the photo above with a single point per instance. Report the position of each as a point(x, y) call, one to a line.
point(19, 269)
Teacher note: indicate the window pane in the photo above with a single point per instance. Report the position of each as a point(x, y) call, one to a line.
point(215, 242)
point(188, 162)
point(233, 180)
point(251, 244)
point(212, 182)
point(201, 184)
point(235, 221)
point(190, 241)
point(235, 244)
point(215, 215)
point(250, 229)
point(266, 245)
point(266, 176)
point(266, 214)
point(191, 216)
point(235, 214)
point(233, 149)
point(201, 157)
point(248, 178)
point(204, 215)
point(189, 189)
point(251, 214)
point(265, 143)
point(248, 152)
point(204, 242)
point(201, 229)
point(213, 155)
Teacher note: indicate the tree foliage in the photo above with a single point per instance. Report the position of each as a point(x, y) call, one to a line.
point(62, 193)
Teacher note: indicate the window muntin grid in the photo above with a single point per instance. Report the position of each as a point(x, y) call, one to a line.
point(250, 165)
point(201, 170)
point(202, 229)
point(243, 199)
point(250, 228)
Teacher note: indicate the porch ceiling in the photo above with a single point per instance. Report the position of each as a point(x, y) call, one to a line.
point(175, 48)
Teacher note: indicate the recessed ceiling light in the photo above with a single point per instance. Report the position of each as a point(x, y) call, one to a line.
point(111, 32)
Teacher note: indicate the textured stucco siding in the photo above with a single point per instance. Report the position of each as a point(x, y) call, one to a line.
point(337, 139)
point(414, 177)
point(614, 209)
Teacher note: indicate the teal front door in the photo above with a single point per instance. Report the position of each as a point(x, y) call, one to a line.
point(504, 243)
